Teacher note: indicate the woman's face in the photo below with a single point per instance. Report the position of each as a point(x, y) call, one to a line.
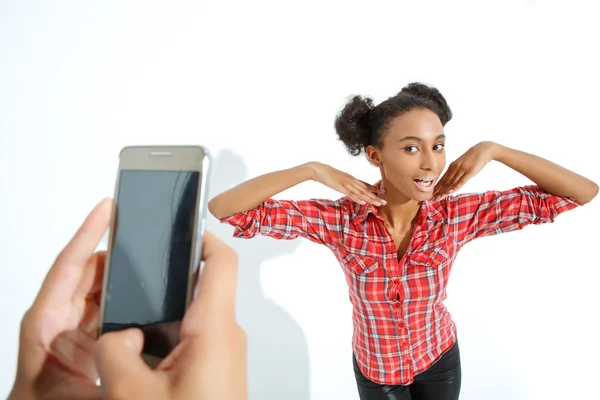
point(412, 156)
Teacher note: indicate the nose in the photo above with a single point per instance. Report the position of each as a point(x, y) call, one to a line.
point(429, 161)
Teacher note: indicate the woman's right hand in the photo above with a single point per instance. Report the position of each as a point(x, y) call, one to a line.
point(357, 190)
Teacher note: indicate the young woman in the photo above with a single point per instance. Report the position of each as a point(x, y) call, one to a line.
point(397, 239)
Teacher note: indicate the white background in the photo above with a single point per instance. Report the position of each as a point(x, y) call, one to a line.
point(259, 83)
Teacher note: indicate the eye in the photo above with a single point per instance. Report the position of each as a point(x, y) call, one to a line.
point(411, 149)
point(438, 146)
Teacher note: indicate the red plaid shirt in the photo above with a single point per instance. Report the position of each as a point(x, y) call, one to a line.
point(401, 326)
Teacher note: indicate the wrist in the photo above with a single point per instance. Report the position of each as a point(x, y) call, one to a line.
point(308, 171)
point(497, 151)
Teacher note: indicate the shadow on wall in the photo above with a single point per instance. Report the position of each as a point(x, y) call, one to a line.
point(278, 359)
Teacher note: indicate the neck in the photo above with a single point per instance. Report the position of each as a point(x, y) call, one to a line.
point(399, 210)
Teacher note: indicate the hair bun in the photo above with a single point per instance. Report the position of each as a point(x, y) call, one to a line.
point(352, 124)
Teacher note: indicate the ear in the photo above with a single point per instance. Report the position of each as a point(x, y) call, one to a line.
point(374, 155)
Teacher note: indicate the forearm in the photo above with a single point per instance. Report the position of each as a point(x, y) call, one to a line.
point(547, 175)
point(253, 192)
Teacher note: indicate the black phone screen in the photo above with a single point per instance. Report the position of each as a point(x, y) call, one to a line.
point(151, 253)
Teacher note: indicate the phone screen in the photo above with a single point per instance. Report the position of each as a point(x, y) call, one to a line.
point(152, 246)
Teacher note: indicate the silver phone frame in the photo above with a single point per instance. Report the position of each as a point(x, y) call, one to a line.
point(164, 158)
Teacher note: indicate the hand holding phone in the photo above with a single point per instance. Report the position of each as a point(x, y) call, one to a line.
point(58, 332)
point(209, 362)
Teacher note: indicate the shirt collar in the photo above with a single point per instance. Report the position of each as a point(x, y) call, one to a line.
point(431, 210)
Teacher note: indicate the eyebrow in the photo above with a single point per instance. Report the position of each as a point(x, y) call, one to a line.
point(418, 139)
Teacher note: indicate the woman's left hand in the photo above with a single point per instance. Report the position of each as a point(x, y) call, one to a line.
point(464, 168)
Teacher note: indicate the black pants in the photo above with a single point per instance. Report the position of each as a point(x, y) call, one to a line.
point(440, 382)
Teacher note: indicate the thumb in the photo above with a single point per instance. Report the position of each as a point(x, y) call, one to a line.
point(118, 360)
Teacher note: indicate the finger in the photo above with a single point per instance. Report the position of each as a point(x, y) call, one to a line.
point(75, 347)
point(450, 182)
point(118, 360)
point(452, 186)
point(368, 196)
point(87, 238)
point(65, 275)
point(442, 192)
point(353, 194)
point(215, 303)
point(90, 319)
point(440, 186)
point(460, 181)
point(371, 188)
point(91, 281)
point(356, 197)
point(446, 180)
point(439, 192)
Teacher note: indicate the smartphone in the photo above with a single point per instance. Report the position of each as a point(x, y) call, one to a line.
point(155, 243)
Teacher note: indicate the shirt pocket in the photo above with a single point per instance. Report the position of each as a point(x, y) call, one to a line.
point(433, 257)
point(360, 265)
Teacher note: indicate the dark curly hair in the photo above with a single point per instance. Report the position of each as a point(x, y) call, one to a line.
point(361, 124)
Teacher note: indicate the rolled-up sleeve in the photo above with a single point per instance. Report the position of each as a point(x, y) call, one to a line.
point(316, 220)
point(472, 216)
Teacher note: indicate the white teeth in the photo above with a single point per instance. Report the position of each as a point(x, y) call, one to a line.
point(424, 185)
point(424, 182)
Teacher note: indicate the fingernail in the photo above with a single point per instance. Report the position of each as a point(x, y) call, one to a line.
point(363, 202)
point(383, 201)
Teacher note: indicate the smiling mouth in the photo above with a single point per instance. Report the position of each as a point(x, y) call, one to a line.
point(425, 182)
point(425, 185)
